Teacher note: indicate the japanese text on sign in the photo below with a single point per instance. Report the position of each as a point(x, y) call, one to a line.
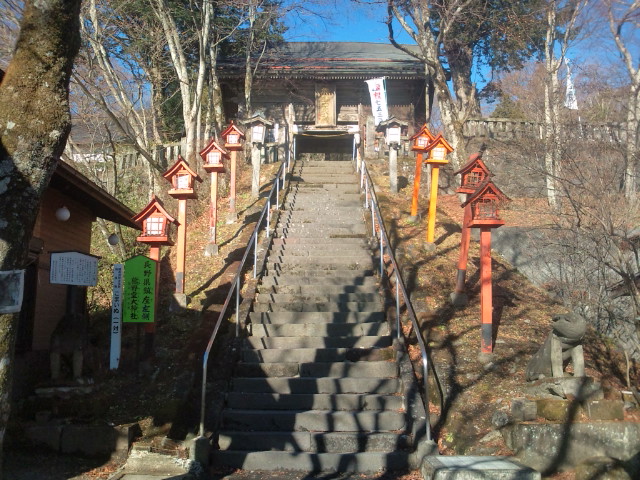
point(378, 94)
point(139, 290)
point(74, 268)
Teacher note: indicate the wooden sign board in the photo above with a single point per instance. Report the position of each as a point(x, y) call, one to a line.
point(74, 268)
point(116, 317)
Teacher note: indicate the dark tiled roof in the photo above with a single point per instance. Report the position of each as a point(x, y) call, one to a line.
point(334, 60)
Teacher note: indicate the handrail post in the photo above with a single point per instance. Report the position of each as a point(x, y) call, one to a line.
point(373, 220)
point(425, 378)
point(278, 192)
point(255, 256)
point(397, 305)
point(203, 394)
point(268, 214)
point(237, 305)
point(381, 258)
point(366, 195)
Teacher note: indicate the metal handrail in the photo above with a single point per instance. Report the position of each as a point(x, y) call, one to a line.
point(371, 203)
point(235, 287)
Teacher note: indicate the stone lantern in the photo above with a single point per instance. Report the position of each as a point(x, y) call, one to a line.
point(392, 128)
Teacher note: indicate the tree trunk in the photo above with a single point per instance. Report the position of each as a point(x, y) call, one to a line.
point(463, 87)
point(255, 177)
point(248, 72)
point(551, 109)
point(216, 91)
point(34, 114)
point(631, 153)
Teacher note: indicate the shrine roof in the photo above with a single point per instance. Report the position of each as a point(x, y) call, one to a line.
point(330, 60)
point(73, 184)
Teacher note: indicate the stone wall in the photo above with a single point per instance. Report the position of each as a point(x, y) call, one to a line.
point(507, 129)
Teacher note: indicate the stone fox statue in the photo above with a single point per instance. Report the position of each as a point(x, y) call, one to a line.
point(564, 342)
point(69, 338)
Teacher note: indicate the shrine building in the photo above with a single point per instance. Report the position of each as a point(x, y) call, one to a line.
point(317, 98)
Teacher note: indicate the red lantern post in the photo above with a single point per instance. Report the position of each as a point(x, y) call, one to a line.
point(155, 222)
point(232, 137)
point(212, 156)
point(484, 203)
point(472, 176)
point(420, 141)
point(182, 180)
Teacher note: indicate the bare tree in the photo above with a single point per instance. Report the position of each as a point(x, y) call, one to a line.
point(561, 17)
point(120, 94)
point(191, 84)
point(415, 17)
point(624, 19)
point(35, 119)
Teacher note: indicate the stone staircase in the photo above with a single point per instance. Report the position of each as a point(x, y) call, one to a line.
point(319, 387)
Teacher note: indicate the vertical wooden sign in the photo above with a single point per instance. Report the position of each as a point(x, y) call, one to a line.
point(116, 317)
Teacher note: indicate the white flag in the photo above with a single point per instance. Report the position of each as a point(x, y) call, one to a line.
point(570, 100)
point(378, 94)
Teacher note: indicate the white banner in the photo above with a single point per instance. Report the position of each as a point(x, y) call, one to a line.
point(378, 94)
point(116, 317)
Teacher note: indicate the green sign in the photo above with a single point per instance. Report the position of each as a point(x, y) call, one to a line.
point(139, 290)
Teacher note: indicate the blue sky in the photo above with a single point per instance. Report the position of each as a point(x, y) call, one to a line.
point(346, 21)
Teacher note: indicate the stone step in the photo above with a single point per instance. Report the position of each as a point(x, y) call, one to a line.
point(312, 420)
point(319, 250)
point(353, 203)
point(321, 226)
point(319, 329)
point(317, 317)
point(312, 462)
point(318, 342)
point(385, 386)
point(333, 276)
point(380, 369)
point(302, 306)
point(320, 401)
point(355, 231)
point(264, 297)
point(338, 442)
point(306, 241)
point(318, 289)
point(338, 260)
point(274, 355)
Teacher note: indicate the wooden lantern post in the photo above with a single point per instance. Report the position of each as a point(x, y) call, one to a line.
point(437, 151)
point(473, 175)
point(484, 203)
point(232, 137)
point(392, 128)
point(212, 156)
point(419, 144)
point(257, 125)
point(155, 222)
point(182, 180)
